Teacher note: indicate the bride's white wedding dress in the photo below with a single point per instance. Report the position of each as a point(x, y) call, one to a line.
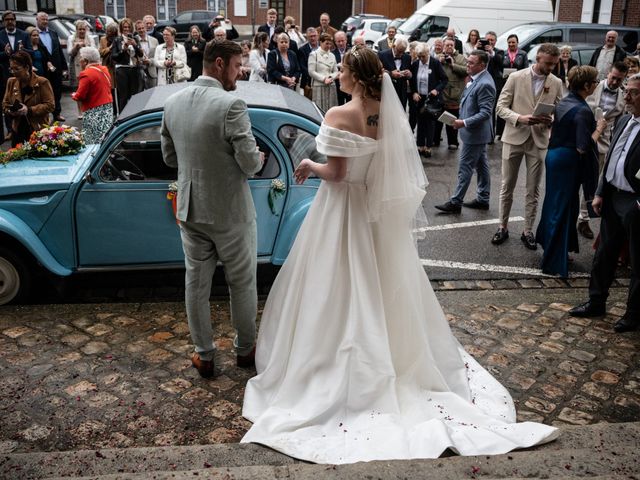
point(355, 358)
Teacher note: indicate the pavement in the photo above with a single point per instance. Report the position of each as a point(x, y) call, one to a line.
point(93, 376)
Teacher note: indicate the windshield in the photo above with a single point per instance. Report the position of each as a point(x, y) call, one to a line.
point(522, 31)
point(414, 21)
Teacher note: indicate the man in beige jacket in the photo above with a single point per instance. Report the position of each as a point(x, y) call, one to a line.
point(526, 135)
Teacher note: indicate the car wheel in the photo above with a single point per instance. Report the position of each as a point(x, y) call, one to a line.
point(15, 279)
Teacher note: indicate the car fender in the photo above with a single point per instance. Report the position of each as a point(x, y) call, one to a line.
point(289, 230)
point(13, 226)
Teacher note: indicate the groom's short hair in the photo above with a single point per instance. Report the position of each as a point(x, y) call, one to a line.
point(224, 49)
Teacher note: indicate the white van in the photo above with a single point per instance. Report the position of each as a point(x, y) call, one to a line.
point(433, 19)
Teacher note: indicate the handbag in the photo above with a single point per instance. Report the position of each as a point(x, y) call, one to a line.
point(182, 74)
point(433, 107)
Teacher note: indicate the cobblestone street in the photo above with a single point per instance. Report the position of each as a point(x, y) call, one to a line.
point(91, 376)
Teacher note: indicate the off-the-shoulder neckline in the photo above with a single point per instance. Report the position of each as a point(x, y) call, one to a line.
point(324, 125)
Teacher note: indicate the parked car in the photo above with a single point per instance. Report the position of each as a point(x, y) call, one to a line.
point(580, 52)
point(352, 23)
point(371, 30)
point(106, 208)
point(183, 21)
point(396, 23)
point(95, 24)
point(530, 34)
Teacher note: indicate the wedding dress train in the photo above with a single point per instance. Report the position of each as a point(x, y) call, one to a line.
point(355, 358)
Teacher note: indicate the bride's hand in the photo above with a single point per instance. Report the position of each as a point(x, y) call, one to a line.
point(303, 171)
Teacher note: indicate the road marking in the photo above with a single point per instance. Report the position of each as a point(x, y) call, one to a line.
point(494, 268)
point(449, 226)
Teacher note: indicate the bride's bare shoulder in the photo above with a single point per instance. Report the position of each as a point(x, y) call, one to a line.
point(343, 117)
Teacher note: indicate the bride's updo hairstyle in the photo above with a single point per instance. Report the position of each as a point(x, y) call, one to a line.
point(367, 68)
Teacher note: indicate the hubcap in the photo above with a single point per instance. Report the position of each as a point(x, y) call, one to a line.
point(9, 281)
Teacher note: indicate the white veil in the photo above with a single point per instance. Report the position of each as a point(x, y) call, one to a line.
point(396, 180)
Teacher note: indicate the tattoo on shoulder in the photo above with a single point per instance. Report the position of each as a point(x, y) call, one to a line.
point(372, 120)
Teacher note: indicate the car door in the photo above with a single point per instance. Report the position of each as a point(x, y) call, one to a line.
point(125, 218)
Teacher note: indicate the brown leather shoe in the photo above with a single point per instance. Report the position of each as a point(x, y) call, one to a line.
point(248, 360)
point(585, 230)
point(204, 367)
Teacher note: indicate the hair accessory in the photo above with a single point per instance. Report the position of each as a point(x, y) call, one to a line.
point(354, 51)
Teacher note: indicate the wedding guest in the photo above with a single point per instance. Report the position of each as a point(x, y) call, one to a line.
point(107, 47)
point(472, 40)
point(565, 64)
point(325, 26)
point(75, 42)
point(282, 64)
point(39, 54)
point(246, 64)
point(513, 58)
point(633, 66)
point(51, 41)
point(28, 99)
point(323, 71)
point(148, 44)
point(194, 48)
point(571, 160)
point(93, 95)
point(292, 30)
point(258, 58)
point(169, 56)
point(427, 82)
point(455, 67)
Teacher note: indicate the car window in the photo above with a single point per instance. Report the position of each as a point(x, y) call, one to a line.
point(183, 17)
point(271, 166)
point(379, 26)
point(201, 16)
point(575, 54)
point(138, 157)
point(361, 25)
point(585, 56)
point(300, 144)
point(552, 36)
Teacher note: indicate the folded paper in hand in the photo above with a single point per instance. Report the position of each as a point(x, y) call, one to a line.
point(508, 71)
point(543, 109)
point(447, 118)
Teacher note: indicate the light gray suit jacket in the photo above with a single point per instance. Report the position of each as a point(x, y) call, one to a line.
point(206, 133)
point(611, 116)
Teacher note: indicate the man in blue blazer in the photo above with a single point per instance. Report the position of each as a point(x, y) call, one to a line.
point(12, 39)
point(51, 42)
point(397, 63)
point(617, 201)
point(475, 127)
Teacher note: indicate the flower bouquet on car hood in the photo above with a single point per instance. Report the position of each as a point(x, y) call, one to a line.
point(53, 141)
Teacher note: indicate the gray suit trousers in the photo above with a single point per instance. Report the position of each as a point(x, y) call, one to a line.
point(235, 246)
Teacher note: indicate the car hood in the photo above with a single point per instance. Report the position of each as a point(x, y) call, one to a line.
point(35, 174)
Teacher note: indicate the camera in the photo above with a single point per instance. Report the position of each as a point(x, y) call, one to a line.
point(484, 42)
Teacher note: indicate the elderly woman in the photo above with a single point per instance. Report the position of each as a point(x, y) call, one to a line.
point(194, 48)
point(283, 67)
point(246, 59)
point(565, 64)
point(81, 38)
point(94, 95)
point(258, 57)
point(571, 160)
point(28, 98)
point(323, 70)
point(169, 57)
point(428, 80)
point(633, 63)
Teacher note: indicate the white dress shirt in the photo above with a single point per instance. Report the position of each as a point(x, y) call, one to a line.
point(615, 170)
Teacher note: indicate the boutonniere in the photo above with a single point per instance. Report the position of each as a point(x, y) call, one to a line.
point(278, 188)
point(428, 70)
point(545, 89)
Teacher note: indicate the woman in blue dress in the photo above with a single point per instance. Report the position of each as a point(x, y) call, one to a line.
point(571, 161)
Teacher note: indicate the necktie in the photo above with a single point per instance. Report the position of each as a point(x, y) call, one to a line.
point(618, 150)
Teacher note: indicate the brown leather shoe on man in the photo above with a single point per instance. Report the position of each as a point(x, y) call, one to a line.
point(204, 367)
point(248, 360)
point(585, 230)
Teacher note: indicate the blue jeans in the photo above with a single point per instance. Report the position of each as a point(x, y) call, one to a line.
point(473, 157)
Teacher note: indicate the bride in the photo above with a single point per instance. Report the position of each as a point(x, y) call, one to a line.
point(355, 358)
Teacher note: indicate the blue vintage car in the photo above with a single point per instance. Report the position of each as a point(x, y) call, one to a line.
point(106, 208)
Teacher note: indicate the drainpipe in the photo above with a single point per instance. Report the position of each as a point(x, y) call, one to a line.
point(624, 12)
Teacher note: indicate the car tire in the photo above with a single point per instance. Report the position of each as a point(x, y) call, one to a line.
point(15, 278)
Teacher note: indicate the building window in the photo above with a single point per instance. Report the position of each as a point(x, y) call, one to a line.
point(167, 9)
point(218, 6)
point(279, 5)
point(48, 6)
point(8, 5)
point(115, 8)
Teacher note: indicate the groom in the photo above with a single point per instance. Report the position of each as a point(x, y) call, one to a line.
point(206, 134)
